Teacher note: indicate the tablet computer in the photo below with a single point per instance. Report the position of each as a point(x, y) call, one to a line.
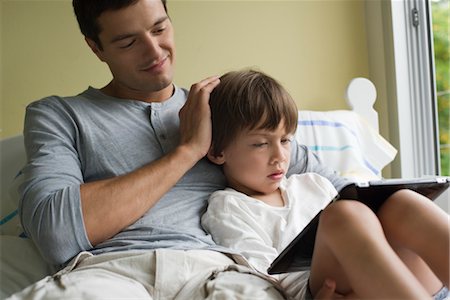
point(298, 254)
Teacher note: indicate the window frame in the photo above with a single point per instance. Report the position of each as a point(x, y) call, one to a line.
point(413, 59)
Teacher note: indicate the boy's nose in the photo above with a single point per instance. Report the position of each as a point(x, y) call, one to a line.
point(278, 154)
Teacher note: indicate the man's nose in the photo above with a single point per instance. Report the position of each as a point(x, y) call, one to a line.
point(151, 45)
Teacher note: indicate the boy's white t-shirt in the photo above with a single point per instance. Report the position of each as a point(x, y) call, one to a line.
point(260, 231)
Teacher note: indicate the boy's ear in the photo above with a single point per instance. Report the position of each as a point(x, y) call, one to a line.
point(218, 160)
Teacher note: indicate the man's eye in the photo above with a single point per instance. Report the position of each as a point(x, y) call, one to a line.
point(127, 45)
point(159, 30)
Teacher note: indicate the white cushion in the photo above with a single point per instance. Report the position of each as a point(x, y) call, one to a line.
point(342, 140)
point(20, 265)
point(12, 159)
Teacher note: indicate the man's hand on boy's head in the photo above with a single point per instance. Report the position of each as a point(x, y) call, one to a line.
point(195, 117)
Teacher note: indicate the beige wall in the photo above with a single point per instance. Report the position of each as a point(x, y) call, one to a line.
point(43, 54)
point(313, 47)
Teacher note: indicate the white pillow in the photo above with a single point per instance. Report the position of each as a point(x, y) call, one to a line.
point(20, 265)
point(345, 142)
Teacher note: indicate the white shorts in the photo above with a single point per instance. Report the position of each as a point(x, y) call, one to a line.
point(296, 284)
point(157, 274)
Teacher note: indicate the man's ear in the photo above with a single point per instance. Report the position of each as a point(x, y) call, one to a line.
point(217, 159)
point(94, 47)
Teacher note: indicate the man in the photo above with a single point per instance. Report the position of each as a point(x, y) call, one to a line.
point(117, 180)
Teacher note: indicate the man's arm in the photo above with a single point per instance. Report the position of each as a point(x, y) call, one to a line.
point(303, 160)
point(65, 215)
point(110, 205)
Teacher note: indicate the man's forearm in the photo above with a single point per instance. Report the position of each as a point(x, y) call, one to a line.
point(110, 205)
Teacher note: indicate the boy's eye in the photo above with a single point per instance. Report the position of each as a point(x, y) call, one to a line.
point(286, 141)
point(258, 145)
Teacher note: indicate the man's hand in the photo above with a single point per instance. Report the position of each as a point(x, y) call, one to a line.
point(195, 117)
point(110, 205)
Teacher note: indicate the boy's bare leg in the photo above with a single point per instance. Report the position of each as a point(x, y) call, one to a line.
point(352, 249)
point(416, 223)
point(420, 269)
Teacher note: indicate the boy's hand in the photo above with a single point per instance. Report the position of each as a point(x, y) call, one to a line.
point(195, 117)
point(328, 291)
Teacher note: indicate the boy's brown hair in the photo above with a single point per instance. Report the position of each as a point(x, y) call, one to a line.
point(247, 100)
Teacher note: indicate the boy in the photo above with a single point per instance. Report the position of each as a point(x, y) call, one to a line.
point(261, 211)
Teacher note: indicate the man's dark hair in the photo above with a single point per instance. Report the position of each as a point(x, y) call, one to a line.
point(88, 11)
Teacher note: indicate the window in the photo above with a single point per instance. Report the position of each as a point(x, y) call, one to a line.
point(440, 14)
point(421, 66)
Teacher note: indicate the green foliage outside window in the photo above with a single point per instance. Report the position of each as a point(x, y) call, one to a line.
point(441, 19)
